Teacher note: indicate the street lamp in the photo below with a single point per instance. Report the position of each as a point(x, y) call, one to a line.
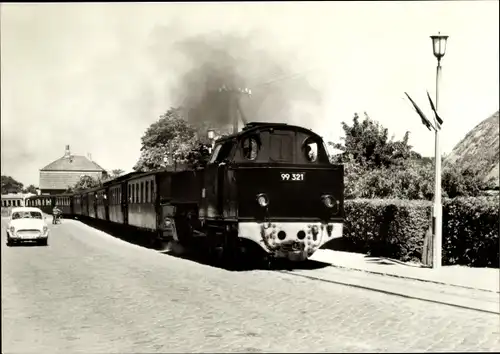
point(211, 134)
point(439, 48)
point(211, 137)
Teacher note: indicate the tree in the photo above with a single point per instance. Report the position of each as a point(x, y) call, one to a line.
point(116, 172)
point(113, 174)
point(367, 143)
point(30, 189)
point(85, 182)
point(10, 185)
point(171, 136)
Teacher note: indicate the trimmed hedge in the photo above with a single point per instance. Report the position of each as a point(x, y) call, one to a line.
point(471, 228)
point(397, 228)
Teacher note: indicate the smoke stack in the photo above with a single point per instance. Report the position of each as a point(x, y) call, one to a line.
point(67, 153)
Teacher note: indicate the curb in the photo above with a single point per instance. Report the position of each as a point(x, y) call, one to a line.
point(413, 278)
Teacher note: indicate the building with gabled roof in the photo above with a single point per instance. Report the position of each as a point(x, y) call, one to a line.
point(66, 171)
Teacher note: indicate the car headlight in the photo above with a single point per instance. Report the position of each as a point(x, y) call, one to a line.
point(45, 229)
point(263, 200)
point(12, 229)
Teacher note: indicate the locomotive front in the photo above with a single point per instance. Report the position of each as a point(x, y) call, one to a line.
point(276, 183)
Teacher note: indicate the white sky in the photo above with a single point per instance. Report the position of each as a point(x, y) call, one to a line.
point(82, 74)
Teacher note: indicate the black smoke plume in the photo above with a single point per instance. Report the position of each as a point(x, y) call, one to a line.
point(206, 62)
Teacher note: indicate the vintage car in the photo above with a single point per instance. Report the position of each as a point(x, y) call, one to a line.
point(27, 224)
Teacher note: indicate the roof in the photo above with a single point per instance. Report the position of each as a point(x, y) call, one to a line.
point(73, 163)
point(60, 179)
point(17, 195)
point(25, 209)
point(258, 126)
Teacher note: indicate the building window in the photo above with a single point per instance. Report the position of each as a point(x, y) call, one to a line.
point(142, 193)
point(146, 190)
point(153, 197)
point(137, 192)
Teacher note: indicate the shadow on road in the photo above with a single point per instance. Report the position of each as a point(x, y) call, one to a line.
point(247, 264)
point(26, 244)
point(244, 263)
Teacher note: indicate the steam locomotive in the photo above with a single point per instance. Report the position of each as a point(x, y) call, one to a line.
point(269, 188)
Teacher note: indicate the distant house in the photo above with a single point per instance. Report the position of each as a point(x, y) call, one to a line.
point(66, 171)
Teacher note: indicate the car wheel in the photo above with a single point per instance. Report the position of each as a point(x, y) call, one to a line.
point(9, 242)
point(43, 242)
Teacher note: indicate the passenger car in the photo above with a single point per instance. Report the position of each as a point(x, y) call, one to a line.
point(27, 224)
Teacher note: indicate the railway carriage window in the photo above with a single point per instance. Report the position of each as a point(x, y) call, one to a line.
point(310, 149)
point(129, 193)
point(146, 190)
point(137, 192)
point(250, 147)
point(142, 193)
point(153, 197)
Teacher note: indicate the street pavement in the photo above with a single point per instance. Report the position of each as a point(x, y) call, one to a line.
point(90, 292)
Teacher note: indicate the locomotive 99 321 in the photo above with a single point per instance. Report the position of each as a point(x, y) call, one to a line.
point(269, 188)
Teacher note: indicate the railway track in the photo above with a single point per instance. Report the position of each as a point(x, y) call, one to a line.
point(471, 299)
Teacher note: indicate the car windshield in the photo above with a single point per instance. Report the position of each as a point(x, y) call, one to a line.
point(26, 215)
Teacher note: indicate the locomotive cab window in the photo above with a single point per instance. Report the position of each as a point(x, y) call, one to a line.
point(221, 152)
point(310, 150)
point(250, 148)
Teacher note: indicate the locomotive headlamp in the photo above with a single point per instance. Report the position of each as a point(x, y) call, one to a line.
point(263, 200)
point(328, 200)
point(211, 134)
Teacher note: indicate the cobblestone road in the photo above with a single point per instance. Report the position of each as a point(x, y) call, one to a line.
point(89, 292)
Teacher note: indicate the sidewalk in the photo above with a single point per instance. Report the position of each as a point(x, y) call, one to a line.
point(487, 279)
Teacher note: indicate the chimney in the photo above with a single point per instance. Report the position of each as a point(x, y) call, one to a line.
point(67, 153)
point(89, 155)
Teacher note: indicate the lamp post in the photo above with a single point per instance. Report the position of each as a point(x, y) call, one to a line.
point(211, 137)
point(439, 49)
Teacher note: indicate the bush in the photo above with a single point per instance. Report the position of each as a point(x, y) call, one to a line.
point(396, 229)
point(412, 180)
point(391, 228)
point(471, 231)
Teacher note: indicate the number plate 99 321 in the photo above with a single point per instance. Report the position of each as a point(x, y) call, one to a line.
point(295, 177)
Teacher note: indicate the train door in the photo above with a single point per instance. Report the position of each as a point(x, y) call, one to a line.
point(215, 173)
point(106, 201)
point(125, 195)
